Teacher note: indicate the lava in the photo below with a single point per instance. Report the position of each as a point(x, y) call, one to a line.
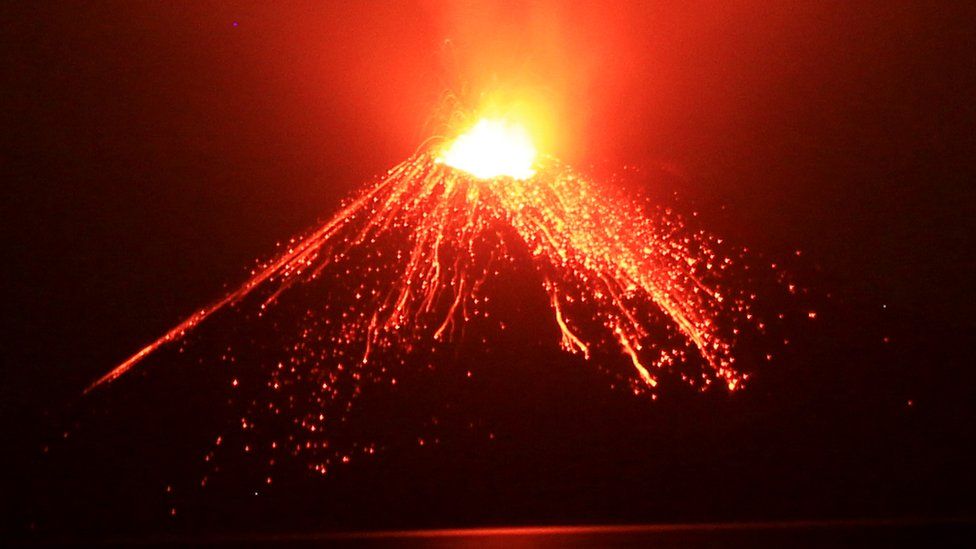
point(492, 148)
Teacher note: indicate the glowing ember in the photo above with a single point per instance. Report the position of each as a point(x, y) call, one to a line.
point(492, 148)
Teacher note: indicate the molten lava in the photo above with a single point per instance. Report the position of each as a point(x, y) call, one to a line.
point(492, 148)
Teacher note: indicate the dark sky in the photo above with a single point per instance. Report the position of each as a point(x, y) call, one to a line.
point(151, 151)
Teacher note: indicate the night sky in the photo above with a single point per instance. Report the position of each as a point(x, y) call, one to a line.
point(152, 151)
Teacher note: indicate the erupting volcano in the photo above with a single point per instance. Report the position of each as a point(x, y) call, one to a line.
point(421, 242)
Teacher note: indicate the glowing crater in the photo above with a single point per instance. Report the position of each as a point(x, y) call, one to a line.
point(492, 148)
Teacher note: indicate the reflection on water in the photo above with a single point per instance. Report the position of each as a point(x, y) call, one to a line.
point(802, 534)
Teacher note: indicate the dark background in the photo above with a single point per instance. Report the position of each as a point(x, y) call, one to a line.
point(151, 151)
